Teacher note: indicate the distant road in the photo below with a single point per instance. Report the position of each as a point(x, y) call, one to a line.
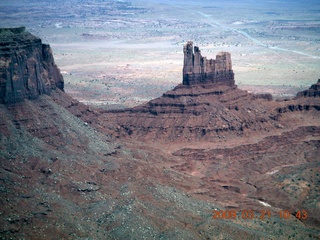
point(213, 23)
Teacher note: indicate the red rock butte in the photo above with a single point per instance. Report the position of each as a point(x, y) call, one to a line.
point(198, 69)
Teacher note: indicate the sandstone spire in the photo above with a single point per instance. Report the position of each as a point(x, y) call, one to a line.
point(197, 69)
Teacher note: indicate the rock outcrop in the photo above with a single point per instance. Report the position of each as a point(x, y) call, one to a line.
point(191, 113)
point(198, 69)
point(313, 91)
point(27, 68)
point(207, 106)
point(54, 167)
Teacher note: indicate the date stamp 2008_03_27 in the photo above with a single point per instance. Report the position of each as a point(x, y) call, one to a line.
point(262, 214)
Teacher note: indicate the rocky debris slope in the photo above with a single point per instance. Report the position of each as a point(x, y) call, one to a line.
point(73, 182)
point(192, 113)
point(27, 68)
point(207, 112)
point(281, 171)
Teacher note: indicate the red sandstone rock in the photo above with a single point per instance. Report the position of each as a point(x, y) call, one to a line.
point(197, 69)
point(27, 68)
point(61, 177)
point(203, 108)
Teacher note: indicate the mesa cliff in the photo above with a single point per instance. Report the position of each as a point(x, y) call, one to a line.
point(199, 69)
point(27, 67)
point(63, 176)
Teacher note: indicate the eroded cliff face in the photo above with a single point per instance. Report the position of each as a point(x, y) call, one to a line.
point(27, 67)
point(198, 69)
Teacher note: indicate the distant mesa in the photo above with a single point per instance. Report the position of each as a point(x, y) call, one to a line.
point(313, 91)
point(27, 67)
point(16, 30)
point(198, 69)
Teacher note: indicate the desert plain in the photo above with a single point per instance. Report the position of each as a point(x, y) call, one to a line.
point(119, 54)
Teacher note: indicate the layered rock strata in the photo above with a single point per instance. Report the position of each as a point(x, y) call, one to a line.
point(191, 113)
point(198, 69)
point(54, 167)
point(207, 106)
point(313, 91)
point(27, 67)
